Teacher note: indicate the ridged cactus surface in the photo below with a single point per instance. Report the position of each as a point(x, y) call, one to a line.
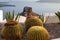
point(37, 33)
point(33, 21)
point(11, 30)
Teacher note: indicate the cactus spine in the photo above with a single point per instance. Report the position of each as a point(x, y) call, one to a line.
point(37, 33)
point(33, 21)
point(11, 30)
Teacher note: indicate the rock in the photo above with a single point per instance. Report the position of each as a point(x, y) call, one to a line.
point(27, 11)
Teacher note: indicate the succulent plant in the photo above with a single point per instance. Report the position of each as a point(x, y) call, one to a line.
point(58, 15)
point(37, 33)
point(11, 30)
point(41, 17)
point(10, 17)
point(33, 21)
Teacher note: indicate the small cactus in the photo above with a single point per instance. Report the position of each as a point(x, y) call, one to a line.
point(33, 21)
point(37, 33)
point(11, 30)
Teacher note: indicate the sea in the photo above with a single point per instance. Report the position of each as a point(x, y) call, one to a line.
point(47, 9)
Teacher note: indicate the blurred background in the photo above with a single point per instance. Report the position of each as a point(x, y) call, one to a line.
point(47, 7)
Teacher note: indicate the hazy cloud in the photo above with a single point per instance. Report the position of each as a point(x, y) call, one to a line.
point(4, 0)
point(16, 0)
point(23, 0)
point(57, 1)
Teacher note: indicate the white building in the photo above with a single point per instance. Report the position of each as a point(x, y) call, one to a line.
point(1, 15)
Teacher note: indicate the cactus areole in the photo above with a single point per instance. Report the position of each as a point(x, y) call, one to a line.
point(37, 33)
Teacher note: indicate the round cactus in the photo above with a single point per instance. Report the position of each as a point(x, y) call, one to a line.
point(33, 21)
point(37, 33)
point(11, 31)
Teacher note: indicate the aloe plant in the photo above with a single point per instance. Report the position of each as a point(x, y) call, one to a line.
point(10, 16)
point(58, 15)
point(41, 17)
point(16, 16)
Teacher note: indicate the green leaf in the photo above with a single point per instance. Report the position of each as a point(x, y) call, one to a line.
point(9, 16)
point(12, 17)
point(16, 16)
point(58, 14)
point(6, 16)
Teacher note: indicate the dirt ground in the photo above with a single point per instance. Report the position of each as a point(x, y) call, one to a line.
point(53, 29)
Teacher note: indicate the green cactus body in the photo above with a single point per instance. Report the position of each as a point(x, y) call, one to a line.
point(11, 30)
point(37, 33)
point(33, 21)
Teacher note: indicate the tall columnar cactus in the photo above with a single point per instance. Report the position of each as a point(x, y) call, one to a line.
point(37, 33)
point(11, 30)
point(33, 21)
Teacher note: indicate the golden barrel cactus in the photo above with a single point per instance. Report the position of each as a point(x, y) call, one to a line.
point(37, 33)
point(11, 30)
point(33, 21)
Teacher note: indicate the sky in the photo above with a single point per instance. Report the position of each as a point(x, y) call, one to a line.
point(39, 7)
point(4, 0)
point(16, 0)
point(57, 1)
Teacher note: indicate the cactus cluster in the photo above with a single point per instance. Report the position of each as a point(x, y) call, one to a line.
point(11, 30)
point(35, 29)
point(37, 33)
point(33, 21)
